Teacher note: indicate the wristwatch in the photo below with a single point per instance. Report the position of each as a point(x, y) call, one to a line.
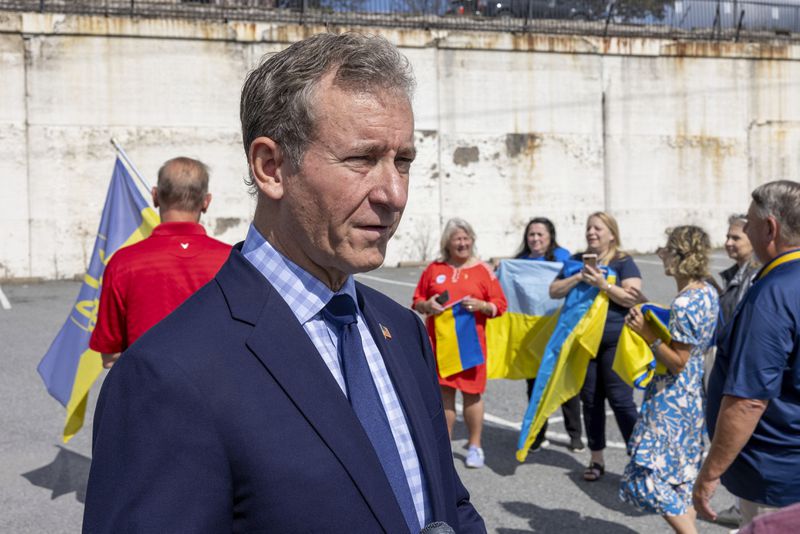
point(654, 345)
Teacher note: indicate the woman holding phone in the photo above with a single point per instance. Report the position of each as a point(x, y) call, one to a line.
point(603, 249)
point(459, 276)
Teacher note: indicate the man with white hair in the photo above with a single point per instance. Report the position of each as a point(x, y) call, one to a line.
point(754, 388)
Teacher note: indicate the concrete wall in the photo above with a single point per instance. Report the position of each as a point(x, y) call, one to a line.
point(508, 127)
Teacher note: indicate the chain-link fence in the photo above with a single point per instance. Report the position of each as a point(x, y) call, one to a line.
point(685, 19)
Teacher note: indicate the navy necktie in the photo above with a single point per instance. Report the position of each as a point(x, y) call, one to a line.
point(366, 403)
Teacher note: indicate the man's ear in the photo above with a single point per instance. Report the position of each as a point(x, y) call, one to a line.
point(206, 202)
point(773, 227)
point(154, 192)
point(266, 157)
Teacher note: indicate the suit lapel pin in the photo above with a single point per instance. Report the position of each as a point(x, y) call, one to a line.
point(385, 331)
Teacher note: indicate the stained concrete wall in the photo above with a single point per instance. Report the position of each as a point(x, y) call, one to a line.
point(508, 126)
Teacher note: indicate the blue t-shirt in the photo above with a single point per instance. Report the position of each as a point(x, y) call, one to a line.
point(758, 357)
point(625, 268)
point(559, 254)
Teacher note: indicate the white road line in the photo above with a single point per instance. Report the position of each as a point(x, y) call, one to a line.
point(551, 435)
point(385, 280)
point(4, 301)
point(659, 262)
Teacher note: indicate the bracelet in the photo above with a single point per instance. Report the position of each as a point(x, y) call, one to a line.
point(606, 287)
point(655, 344)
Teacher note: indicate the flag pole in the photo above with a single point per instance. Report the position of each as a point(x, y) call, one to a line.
point(130, 165)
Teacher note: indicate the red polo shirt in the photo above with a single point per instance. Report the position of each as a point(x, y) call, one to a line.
point(145, 282)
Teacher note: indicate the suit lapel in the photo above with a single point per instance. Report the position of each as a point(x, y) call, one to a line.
point(285, 350)
point(397, 364)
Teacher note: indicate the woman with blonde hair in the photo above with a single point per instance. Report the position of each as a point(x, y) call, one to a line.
point(667, 443)
point(459, 276)
point(603, 248)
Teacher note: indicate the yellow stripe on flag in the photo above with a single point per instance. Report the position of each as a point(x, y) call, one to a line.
point(633, 359)
point(569, 373)
point(447, 351)
point(89, 369)
point(509, 341)
point(91, 364)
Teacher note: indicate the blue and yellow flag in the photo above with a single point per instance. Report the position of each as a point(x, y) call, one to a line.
point(566, 351)
point(457, 345)
point(526, 285)
point(70, 368)
point(634, 361)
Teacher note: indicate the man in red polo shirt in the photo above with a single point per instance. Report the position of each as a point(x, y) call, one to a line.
point(145, 282)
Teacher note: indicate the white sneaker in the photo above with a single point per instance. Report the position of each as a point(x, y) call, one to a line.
point(474, 457)
point(543, 445)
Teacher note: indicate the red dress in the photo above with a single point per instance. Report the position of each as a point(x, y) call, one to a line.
point(478, 282)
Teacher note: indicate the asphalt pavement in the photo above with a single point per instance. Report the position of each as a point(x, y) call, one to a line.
point(43, 481)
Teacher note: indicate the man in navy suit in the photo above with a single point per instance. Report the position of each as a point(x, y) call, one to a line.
point(284, 396)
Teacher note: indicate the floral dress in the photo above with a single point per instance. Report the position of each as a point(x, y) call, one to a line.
point(667, 443)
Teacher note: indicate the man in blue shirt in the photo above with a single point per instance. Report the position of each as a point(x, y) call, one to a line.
point(754, 388)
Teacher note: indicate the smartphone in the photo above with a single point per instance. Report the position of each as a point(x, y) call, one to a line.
point(590, 259)
point(443, 298)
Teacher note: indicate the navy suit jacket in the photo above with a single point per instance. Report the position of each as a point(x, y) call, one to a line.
point(224, 418)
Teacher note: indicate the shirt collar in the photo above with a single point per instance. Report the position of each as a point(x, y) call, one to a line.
point(178, 228)
point(780, 259)
point(305, 294)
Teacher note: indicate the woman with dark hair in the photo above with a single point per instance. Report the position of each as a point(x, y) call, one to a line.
point(539, 244)
point(667, 443)
point(603, 244)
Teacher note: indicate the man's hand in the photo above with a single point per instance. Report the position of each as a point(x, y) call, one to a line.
point(704, 489)
point(109, 359)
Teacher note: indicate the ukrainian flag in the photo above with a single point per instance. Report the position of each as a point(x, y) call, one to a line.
point(457, 345)
point(634, 361)
point(70, 368)
point(565, 352)
point(526, 285)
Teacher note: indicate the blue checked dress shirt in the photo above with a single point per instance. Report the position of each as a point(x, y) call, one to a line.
point(306, 296)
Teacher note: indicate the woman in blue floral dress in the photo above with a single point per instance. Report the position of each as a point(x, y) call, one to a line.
point(667, 443)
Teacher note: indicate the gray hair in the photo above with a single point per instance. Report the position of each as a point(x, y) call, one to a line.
point(737, 219)
point(183, 184)
point(780, 199)
point(450, 228)
point(278, 95)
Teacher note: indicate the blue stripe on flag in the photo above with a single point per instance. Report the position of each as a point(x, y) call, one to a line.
point(469, 347)
point(121, 217)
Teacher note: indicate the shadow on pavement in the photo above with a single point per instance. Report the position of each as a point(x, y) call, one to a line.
point(67, 473)
point(500, 447)
point(605, 492)
point(559, 520)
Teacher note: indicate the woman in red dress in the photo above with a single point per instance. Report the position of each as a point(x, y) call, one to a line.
point(460, 276)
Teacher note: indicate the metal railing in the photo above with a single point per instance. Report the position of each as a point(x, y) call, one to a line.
point(684, 19)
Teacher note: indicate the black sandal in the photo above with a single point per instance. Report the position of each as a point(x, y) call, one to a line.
point(594, 472)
